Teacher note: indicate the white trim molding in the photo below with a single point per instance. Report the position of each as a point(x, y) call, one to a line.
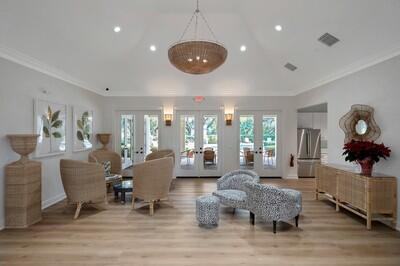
point(35, 64)
point(352, 68)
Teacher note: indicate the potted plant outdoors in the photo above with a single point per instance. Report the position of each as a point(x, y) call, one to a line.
point(366, 153)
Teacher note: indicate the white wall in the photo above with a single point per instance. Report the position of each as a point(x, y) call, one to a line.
point(18, 88)
point(377, 86)
point(285, 105)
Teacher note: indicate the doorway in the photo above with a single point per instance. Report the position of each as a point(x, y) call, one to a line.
point(259, 145)
point(199, 145)
point(137, 135)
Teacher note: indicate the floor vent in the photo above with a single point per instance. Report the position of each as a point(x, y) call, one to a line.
point(291, 67)
point(328, 39)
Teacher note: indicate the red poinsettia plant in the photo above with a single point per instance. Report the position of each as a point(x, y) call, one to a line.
point(362, 150)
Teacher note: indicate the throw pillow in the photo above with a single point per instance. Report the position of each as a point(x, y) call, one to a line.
point(107, 168)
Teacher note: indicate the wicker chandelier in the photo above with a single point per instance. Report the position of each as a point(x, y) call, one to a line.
point(197, 56)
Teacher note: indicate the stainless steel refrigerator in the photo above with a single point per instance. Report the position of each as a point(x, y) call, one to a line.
point(308, 151)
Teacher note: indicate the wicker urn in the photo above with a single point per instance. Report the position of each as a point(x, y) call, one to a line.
point(23, 144)
point(104, 138)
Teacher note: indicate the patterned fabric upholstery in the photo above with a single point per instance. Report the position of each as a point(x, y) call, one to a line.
point(207, 210)
point(271, 203)
point(107, 168)
point(233, 198)
point(230, 188)
point(236, 179)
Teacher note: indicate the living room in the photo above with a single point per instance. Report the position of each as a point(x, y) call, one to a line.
point(196, 161)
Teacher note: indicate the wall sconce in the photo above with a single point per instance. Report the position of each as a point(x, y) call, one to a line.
point(228, 119)
point(168, 119)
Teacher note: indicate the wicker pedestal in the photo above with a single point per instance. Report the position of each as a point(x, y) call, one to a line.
point(23, 194)
point(23, 184)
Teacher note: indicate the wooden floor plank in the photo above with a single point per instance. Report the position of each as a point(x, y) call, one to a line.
point(118, 235)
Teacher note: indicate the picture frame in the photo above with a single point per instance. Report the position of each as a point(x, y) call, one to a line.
point(50, 123)
point(82, 129)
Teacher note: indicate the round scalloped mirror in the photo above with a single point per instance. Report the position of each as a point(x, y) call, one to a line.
point(359, 124)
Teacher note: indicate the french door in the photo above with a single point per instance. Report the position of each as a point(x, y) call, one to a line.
point(137, 135)
point(199, 145)
point(258, 139)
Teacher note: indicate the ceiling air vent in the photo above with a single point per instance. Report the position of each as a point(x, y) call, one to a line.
point(291, 67)
point(328, 39)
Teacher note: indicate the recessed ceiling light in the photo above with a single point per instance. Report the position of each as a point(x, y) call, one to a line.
point(197, 58)
point(205, 60)
point(243, 48)
point(153, 48)
point(190, 59)
point(117, 29)
point(278, 27)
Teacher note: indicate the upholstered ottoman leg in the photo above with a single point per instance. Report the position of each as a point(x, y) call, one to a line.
point(252, 218)
point(297, 220)
point(274, 226)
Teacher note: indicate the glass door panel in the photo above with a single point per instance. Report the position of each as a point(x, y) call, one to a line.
point(246, 138)
point(150, 133)
point(269, 141)
point(127, 139)
point(210, 142)
point(187, 142)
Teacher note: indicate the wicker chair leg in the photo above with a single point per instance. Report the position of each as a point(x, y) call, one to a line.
point(78, 210)
point(151, 208)
point(105, 199)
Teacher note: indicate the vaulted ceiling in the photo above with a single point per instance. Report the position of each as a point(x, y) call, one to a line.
point(74, 40)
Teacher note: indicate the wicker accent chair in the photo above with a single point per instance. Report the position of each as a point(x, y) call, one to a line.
point(231, 189)
point(152, 181)
point(83, 182)
point(248, 156)
point(161, 154)
point(208, 156)
point(100, 156)
point(272, 204)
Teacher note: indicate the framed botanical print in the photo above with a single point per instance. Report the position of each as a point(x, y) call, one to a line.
point(82, 128)
point(50, 123)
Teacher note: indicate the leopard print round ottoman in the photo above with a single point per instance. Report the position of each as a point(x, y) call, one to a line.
point(207, 210)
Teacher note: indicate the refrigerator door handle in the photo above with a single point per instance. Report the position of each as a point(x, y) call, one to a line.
point(307, 144)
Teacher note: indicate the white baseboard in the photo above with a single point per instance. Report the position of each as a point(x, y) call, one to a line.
point(53, 200)
point(291, 176)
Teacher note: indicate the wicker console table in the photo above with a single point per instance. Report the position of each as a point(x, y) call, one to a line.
point(372, 198)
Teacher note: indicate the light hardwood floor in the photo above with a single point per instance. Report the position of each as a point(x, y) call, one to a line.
point(120, 236)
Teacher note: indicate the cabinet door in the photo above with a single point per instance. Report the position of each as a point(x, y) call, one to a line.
point(345, 187)
point(329, 181)
point(359, 192)
point(304, 120)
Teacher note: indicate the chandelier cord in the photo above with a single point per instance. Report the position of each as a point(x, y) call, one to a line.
point(195, 15)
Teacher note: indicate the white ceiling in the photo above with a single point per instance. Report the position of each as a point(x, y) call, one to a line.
point(74, 40)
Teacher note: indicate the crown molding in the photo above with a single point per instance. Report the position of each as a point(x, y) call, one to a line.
point(353, 68)
point(35, 64)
